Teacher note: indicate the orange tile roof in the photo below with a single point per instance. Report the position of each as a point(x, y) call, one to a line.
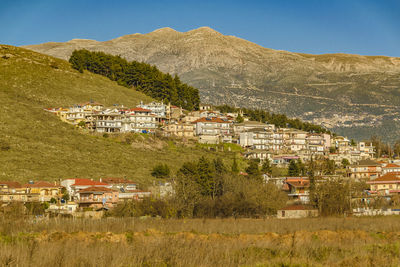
point(299, 183)
point(140, 109)
point(388, 177)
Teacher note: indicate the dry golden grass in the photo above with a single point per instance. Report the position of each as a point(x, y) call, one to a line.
point(211, 242)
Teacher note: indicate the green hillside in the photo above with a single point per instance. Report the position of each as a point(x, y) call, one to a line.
point(35, 144)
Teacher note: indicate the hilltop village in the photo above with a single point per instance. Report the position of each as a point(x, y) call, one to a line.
point(263, 143)
point(209, 126)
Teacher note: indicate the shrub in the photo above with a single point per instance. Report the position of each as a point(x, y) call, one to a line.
point(161, 171)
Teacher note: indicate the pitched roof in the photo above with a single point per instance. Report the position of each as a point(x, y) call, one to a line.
point(390, 177)
point(368, 162)
point(40, 184)
point(213, 119)
point(96, 189)
point(80, 181)
point(11, 184)
point(392, 165)
point(303, 183)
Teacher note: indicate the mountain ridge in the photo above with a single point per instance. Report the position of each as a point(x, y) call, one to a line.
point(350, 94)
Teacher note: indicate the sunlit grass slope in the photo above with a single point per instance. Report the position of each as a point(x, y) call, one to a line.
point(35, 144)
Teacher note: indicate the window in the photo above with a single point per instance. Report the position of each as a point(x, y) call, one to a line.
point(283, 213)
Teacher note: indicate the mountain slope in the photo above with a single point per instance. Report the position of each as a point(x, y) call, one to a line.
point(350, 94)
point(35, 144)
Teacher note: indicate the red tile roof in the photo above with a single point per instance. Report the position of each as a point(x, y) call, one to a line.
point(11, 184)
point(96, 189)
point(41, 184)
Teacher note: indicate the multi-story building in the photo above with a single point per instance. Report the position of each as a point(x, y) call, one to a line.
point(390, 167)
point(211, 130)
point(366, 150)
point(97, 197)
point(73, 185)
point(316, 144)
point(388, 184)
point(139, 120)
point(295, 140)
point(45, 190)
point(108, 121)
point(365, 169)
point(160, 110)
point(179, 129)
point(342, 144)
point(297, 188)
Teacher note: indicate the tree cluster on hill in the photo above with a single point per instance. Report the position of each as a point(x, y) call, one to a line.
point(279, 120)
point(208, 188)
point(141, 76)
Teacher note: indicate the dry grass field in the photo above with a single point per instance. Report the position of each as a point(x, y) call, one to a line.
point(201, 242)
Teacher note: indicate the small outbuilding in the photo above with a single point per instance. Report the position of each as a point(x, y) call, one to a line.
point(297, 211)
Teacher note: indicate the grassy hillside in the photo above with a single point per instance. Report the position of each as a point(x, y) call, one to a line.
point(35, 144)
point(333, 90)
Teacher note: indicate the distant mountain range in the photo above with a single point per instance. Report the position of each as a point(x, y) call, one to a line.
point(353, 95)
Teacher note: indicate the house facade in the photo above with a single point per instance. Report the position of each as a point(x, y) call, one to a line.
point(365, 169)
point(388, 184)
point(97, 197)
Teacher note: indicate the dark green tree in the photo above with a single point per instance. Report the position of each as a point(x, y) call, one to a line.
point(345, 162)
point(140, 76)
point(161, 171)
point(266, 167)
point(235, 166)
point(253, 171)
point(206, 177)
point(239, 118)
point(293, 169)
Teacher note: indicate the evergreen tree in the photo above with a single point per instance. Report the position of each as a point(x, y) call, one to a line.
point(266, 167)
point(141, 76)
point(293, 169)
point(235, 166)
point(253, 171)
point(206, 177)
point(301, 167)
point(345, 162)
point(161, 171)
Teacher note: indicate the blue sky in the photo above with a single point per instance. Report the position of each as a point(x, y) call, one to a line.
point(364, 27)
